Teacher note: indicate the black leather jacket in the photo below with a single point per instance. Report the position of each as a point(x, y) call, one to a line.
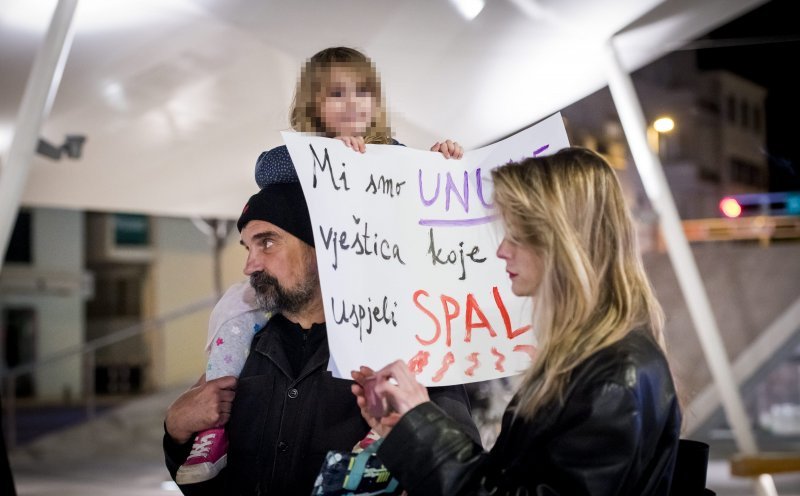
point(615, 434)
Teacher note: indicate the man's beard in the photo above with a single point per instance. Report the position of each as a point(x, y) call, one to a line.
point(271, 296)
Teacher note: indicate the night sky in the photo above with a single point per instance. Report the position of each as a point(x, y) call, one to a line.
point(764, 46)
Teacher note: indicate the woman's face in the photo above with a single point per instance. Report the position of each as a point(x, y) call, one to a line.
point(523, 265)
point(347, 106)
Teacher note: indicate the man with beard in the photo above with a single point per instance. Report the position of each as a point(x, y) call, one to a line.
point(286, 410)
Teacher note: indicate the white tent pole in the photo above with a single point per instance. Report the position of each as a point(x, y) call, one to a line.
point(37, 100)
point(657, 189)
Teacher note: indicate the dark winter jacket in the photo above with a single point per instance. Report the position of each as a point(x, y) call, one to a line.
point(283, 423)
point(616, 433)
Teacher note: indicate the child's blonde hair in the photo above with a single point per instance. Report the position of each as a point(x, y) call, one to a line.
point(312, 88)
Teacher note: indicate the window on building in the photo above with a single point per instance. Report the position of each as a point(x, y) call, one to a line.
point(131, 230)
point(730, 109)
point(745, 111)
point(748, 173)
point(19, 246)
point(709, 174)
point(19, 345)
point(756, 119)
point(118, 293)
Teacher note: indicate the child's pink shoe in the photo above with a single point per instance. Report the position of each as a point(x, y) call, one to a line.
point(208, 457)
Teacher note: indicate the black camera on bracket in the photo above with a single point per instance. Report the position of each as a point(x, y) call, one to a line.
point(73, 146)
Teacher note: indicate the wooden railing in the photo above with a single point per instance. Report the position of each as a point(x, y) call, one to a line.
point(763, 229)
point(86, 351)
point(764, 463)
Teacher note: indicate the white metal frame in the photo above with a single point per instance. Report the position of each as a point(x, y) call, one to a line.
point(40, 91)
point(694, 293)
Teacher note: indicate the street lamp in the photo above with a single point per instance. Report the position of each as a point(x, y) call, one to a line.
point(660, 126)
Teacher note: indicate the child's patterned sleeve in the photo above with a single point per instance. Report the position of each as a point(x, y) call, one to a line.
point(274, 167)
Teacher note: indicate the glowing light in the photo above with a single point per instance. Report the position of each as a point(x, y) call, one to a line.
point(28, 16)
point(115, 95)
point(730, 207)
point(6, 132)
point(664, 124)
point(91, 15)
point(469, 8)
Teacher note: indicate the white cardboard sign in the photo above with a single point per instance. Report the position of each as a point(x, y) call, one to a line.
point(406, 243)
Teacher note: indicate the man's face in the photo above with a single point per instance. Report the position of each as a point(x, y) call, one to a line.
point(282, 269)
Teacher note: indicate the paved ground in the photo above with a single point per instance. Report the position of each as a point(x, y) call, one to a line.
point(119, 453)
point(34, 421)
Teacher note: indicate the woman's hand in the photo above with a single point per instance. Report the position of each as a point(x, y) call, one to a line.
point(398, 385)
point(450, 149)
point(354, 142)
point(395, 383)
point(204, 406)
point(382, 425)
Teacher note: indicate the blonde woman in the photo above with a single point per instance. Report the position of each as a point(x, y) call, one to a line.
point(597, 412)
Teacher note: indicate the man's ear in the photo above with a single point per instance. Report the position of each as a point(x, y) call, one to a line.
point(310, 251)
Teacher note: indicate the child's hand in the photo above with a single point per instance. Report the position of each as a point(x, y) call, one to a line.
point(450, 149)
point(354, 142)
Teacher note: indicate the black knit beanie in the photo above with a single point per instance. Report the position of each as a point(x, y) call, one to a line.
point(282, 204)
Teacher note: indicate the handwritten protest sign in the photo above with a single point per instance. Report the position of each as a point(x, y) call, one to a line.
point(406, 244)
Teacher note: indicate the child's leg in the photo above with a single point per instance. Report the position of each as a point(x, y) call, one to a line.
point(229, 348)
point(231, 344)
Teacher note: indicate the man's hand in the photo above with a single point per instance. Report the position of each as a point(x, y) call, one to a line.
point(202, 406)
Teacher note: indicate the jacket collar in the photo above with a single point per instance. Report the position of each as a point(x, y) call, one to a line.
point(270, 345)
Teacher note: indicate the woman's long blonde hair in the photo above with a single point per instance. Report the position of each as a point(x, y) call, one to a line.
point(569, 208)
point(312, 85)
